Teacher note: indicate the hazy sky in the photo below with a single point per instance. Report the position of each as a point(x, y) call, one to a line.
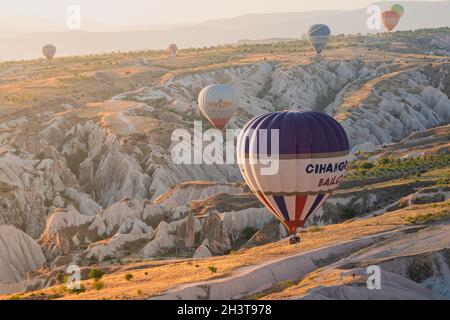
point(132, 12)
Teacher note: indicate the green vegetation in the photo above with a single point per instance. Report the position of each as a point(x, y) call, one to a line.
point(248, 232)
point(285, 284)
point(78, 290)
point(348, 213)
point(366, 165)
point(392, 168)
point(443, 182)
point(96, 274)
point(98, 285)
point(429, 218)
point(212, 268)
point(66, 278)
point(313, 229)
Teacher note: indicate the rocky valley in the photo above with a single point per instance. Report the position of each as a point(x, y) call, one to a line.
point(87, 178)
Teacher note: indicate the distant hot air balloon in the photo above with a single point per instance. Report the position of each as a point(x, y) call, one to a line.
point(318, 36)
point(390, 19)
point(398, 8)
point(218, 103)
point(49, 51)
point(312, 158)
point(172, 50)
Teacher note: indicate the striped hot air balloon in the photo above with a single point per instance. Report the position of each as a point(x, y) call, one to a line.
point(218, 103)
point(172, 50)
point(318, 36)
point(49, 51)
point(312, 157)
point(390, 19)
point(398, 8)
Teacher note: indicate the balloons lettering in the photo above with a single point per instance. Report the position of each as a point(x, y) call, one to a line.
point(312, 152)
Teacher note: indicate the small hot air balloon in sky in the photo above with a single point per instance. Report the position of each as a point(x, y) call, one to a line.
point(172, 50)
point(398, 8)
point(318, 36)
point(312, 153)
point(49, 51)
point(390, 19)
point(218, 103)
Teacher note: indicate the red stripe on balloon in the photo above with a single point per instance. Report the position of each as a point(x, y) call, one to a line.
point(299, 206)
point(220, 123)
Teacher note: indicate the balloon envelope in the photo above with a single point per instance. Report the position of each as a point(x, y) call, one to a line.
point(49, 51)
point(398, 8)
point(311, 152)
point(390, 19)
point(218, 103)
point(318, 36)
point(173, 49)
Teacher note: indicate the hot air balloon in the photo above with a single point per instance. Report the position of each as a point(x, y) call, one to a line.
point(398, 8)
point(172, 50)
point(218, 103)
point(318, 36)
point(49, 51)
point(390, 19)
point(311, 150)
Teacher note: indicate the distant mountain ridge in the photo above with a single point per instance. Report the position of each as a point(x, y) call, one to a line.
point(251, 26)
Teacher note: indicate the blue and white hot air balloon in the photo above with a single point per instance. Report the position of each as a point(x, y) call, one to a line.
point(312, 151)
point(318, 36)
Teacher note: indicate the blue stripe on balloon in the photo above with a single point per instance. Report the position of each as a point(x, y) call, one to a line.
point(315, 204)
point(279, 200)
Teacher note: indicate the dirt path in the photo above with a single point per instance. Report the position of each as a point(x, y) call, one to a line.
point(350, 97)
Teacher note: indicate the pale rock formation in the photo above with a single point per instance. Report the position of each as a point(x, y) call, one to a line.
point(214, 235)
point(104, 171)
point(122, 217)
point(236, 222)
point(185, 193)
point(62, 232)
point(269, 233)
point(19, 254)
point(111, 248)
point(202, 252)
point(54, 131)
point(163, 241)
point(83, 202)
point(187, 231)
point(64, 218)
point(27, 186)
